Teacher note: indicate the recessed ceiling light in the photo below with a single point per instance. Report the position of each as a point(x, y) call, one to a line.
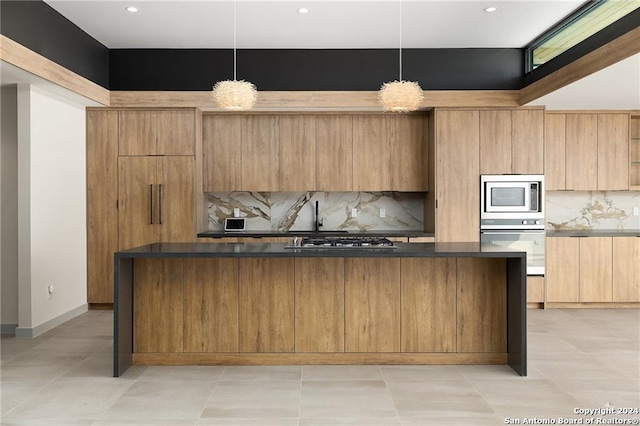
point(303, 10)
point(132, 9)
point(491, 9)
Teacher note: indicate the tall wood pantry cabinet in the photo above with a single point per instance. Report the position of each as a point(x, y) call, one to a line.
point(140, 186)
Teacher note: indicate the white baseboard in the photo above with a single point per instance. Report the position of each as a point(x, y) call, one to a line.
point(8, 328)
point(31, 332)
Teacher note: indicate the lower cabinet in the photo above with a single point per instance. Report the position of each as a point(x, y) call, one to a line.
point(320, 305)
point(535, 289)
point(592, 269)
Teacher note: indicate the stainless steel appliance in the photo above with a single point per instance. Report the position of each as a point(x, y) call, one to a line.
point(512, 215)
point(341, 243)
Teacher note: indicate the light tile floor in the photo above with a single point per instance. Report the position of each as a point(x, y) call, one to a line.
point(578, 358)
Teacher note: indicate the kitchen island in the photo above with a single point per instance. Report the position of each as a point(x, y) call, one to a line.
point(264, 304)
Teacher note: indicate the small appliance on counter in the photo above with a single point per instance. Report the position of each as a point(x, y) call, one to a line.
point(234, 224)
point(512, 215)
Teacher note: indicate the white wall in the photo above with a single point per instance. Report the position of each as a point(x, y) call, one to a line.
point(9, 210)
point(52, 209)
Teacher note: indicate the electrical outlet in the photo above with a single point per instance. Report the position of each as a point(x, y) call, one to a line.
point(383, 213)
point(354, 212)
point(236, 212)
point(636, 211)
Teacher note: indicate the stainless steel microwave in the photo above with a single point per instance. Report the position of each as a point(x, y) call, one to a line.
point(512, 196)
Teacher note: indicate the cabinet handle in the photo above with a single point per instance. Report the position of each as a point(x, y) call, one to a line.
point(151, 204)
point(160, 204)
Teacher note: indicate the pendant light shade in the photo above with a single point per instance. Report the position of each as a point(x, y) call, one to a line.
point(234, 95)
point(400, 95)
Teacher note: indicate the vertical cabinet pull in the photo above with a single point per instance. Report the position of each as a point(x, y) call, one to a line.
point(151, 204)
point(160, 204)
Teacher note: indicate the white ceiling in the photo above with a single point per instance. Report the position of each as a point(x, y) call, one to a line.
point(329, 24)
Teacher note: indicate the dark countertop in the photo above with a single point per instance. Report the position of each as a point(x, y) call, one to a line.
point(168, 250)
point(260, 234)
point(595, 233)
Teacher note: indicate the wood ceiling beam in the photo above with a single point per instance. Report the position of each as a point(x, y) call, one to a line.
point(615, 51)
point(30, 61)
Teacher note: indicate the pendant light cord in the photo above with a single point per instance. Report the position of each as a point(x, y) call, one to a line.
point(400, 40)
point(234, 39)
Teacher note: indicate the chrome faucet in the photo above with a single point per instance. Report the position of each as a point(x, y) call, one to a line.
point(319, 221)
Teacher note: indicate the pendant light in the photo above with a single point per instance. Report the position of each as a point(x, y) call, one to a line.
point(400, 95)
point(234, 95)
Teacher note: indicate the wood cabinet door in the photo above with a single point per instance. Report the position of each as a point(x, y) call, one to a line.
point(158, 305)
point(495, 142)
point(562, 269)
point(613, 152)
point(372, 305)
point(260, 153)
point(137, 198)
point(371, 154)
point(175, 132)
point(535, 289)
point(319, 305)
point(211, 305)
point(407, 136)
point(527, 151)
point(596, 269)
point(102, 203)
point(626, 269)
point(265, 305)
point(481, 327)
point(581, 152)
point(137, 133)
point(428, 300)
point(334, 153)
point(457, 176)
point(222, 156)
point(175, 199)
point(297, 153)
point(555, 152)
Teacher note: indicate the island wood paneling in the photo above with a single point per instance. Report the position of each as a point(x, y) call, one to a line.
point(495, 142)
point(482, 326)
point(297, 152)
point(596, 274)
point(259, 153)
point(137, 133)
point(371, 154)
point(613, 152)
point(266, 305)
point(158, 305)
point(562, 277)
point(137, 194)
point(319, 305)
point(222, 139)
point(102, 203)
point(407, 136)
point(582, 152)
point(428, 300)
point(334, 152)
point(175, 132)
point(175, 202)
point(457, 176)
point(626, 269)
point(555, 152)
point(372, 305)
point(211, 305)
point(527, 153)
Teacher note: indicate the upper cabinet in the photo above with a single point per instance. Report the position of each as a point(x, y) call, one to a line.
point(634, 153)
point(307, 152)
point(587, 151)
point(156, 132)
point(512, 141)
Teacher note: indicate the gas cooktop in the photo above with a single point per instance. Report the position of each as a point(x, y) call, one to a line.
point(342, 243)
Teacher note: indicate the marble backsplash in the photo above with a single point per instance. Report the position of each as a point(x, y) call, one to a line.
point(295, 211)
point(568, 210)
